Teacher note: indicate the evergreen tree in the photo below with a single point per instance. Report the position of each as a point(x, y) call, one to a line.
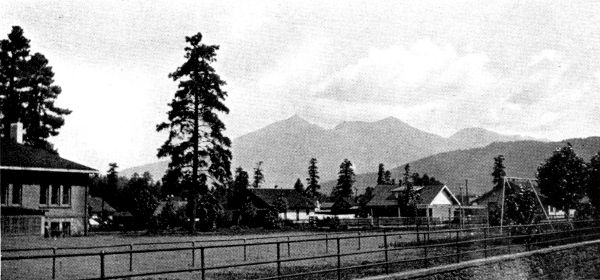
point(593, 182)
point(196, 144)
point(144, 197)
point(28, 93)
point(298, 186)
point(498, 174)
point(345, 180)
point(387, 178)
point(312, 188)
point(238, 189)
point(562, 179)
point(259, 177)
point(381, 174)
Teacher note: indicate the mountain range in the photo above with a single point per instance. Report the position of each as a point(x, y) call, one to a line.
point(285, 148)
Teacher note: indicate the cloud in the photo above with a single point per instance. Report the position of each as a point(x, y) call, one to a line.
point(438, 89)
point(415, 75)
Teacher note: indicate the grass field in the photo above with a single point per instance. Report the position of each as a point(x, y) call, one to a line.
point(402, 253)
point(86, 267)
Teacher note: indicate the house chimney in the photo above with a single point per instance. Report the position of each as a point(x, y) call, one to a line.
point(16, 132)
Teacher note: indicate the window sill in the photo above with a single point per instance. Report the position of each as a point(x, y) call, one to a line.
point(55, 206)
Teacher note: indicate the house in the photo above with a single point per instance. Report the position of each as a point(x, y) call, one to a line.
point(299, 208)
point(438, 202)
point(434, 201)
point(41, 192)
point(100, 209)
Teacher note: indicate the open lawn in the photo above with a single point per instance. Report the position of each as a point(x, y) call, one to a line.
point(89, 266)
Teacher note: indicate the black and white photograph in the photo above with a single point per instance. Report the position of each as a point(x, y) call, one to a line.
point(343, 139)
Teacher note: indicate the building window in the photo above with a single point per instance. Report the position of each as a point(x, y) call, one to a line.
point(4, 193)
point(55, 195)
point(16, 193)
point(66, 195)
point(44, 194)
point(66, 228)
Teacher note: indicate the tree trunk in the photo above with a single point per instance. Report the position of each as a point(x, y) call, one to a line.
point(195, 163)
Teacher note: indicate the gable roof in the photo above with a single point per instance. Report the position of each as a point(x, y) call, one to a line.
point(95, 204)
point(294, 199)
point(383, 196)
point(494, 195)
point(20, 157)
point(428, 194)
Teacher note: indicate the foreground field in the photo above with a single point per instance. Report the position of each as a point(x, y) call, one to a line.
point(89, 266)
point(242, 257)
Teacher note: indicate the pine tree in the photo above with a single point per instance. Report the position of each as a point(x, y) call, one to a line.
point(298, 186)
point(312, 188)
point(28, 92)
point(498, 174)
point(381, 174)
point(345, 179)
point(196, 144)
point(259, 177)
point(238, 189)
point(387, 178)
point(562, 179)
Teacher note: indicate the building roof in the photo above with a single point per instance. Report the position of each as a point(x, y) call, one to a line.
point(383, 195)
point(95, 204)
point(494, 195)
point(20, 157)
point(294, 199)
point(428, 193)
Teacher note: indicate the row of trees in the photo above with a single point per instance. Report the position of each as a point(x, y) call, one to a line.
point(564, 179)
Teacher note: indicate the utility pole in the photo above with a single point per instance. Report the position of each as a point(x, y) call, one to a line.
point(467, 190)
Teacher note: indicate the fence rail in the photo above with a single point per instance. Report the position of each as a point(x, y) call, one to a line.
point(454, 244)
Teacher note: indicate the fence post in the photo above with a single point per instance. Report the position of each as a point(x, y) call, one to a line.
point(245, 251)
point(278, 262)
point(418, 240)
point(509, 239)
point(485, 242)
point(131, 257)
point(54, 263)
point(193, 254)
point(202, 268)
point(457, 248)
point(288, 245)
point(385, 245)
point(326, 243)
point(339, 260)
point(359, 240)
point(101, 264)
point(426, 259)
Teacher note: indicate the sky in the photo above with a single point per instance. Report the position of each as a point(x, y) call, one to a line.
point(514, 67)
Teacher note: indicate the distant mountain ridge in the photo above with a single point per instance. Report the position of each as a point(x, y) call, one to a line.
point(522, 159)
point(285, 147)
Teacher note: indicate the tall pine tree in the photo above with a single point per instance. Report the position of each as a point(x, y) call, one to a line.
point(498, 174)
point(259, 177)
point(381, 174)
point(312, 188)
point(28, 92)
point(196, 145)
point(345, 180)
